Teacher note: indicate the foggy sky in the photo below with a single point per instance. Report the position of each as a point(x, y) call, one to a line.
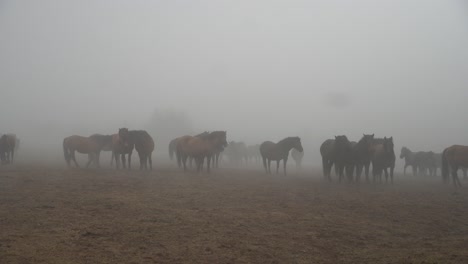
point(262, 70)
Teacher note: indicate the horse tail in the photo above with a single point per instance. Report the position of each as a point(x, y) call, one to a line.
point(66, 152)
point(445, 167)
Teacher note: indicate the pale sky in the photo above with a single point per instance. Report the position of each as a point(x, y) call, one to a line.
point(262, 70)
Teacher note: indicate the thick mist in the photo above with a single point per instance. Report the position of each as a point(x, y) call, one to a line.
point(262, 70)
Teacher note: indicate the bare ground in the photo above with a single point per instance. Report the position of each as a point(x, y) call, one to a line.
point(54, 215)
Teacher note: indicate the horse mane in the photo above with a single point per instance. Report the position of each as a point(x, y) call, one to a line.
point(215, 134)
point(203, 134)
point(288, 139)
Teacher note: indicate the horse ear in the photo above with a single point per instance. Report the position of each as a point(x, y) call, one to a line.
point(372, 135)
point(385, 138)
point(336, 137)
point(391, 138)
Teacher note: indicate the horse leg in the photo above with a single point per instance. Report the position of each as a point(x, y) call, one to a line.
point(124, 162)
point(359, 168)
point(208, 161)
point(269, 166)
point(142, 160)
point(455, 176)
point(90, 159)
point(117, 160)
point(391, 173)
point(98, 155)
point(150, 161)
point(184, 162)
point(130, 160)
point(386, 175)
point(366, 171)
point(325, 167)
point(277, 166)
point(284, 165)
point(74, 158)
point(265, 164)
point(404, 170)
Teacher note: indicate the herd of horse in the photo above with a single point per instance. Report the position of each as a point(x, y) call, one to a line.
point(9, 144)
point(121, 144)
point(349, 158)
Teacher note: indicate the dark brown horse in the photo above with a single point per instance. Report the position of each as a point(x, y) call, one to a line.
point(336, 152)
point(143, 142)
point(120, 149)
point(87, 145)
point(7, 148)
point(362, 155)
point(200, 148)
point(383, 158)
point(278, 151)
point(453, 158)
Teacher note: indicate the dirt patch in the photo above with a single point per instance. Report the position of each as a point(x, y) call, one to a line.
point(53, 215)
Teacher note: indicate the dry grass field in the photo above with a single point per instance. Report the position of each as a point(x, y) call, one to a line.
point(55, 215)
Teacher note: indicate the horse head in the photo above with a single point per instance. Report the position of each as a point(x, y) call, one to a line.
point(388, 144)
point(404, 152)
point(342, 144)
point(219, 138)
point(297, 144)
point(124, 136)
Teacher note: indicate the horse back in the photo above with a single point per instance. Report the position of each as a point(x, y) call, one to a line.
point(271, 151)
point(80, 144)
point(190, 145)
point(457, 155)
point(144, 143)
point(326, 149)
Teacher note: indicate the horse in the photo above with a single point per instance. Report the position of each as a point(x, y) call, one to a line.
point(7, 148)
point(278, 151)
point(419, 161)
point(143, 142)
point(297, 157)
point(425, 160)
point(254, 153)
point(408, 155)
point(200, 148)
point(336, 152)
point(361, 157)
point(438, 162)
point(120, 149)
point(216, 156)
point(108, 147)
point(91, 145)
point(172, 148)
point(453, 158)
point(383, 157)
point(237, 152)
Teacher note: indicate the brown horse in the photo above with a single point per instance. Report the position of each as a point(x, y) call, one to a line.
point(7, 148)
point(173, 148)
point(453, 158)
point(144, 145)
point(336, 152)
point(119, 150)
point(383, 158)
point(279, 151)
point(87, 145)
point(200, 148)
